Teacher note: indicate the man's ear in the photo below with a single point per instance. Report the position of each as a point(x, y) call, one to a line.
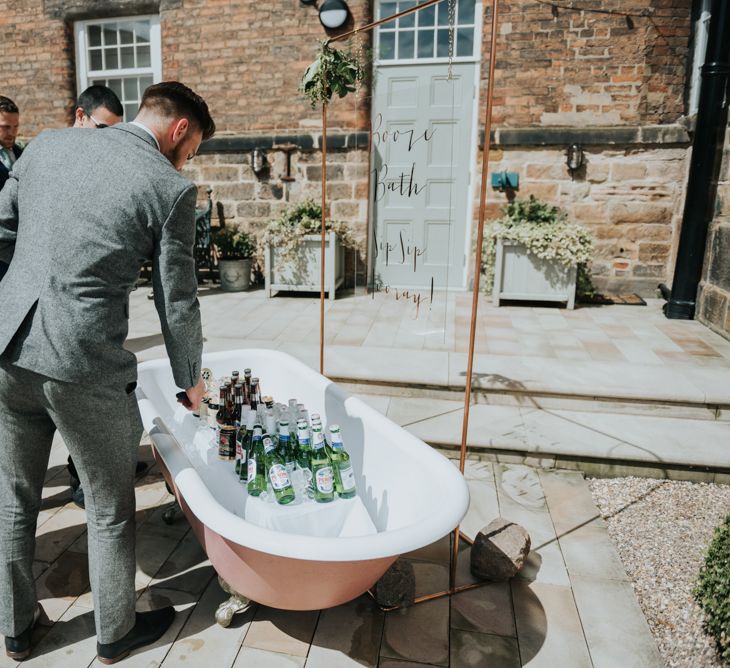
point(180, 129)
point(79, 115)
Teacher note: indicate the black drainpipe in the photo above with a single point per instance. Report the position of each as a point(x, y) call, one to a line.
point(704, 169)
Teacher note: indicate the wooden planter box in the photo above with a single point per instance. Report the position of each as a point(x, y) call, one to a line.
point(304, 275)
point(519, 275)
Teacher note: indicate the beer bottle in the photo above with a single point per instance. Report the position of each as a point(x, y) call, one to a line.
point(322, 478)
point(341, 466)
point(256, 464)
point(240, 438)
point(254, 394)
point(223, 416)
point(285, 446)
point(270, 425)
point(247, 386)
point(278, 476)
point(234, 378)
point(247, 443)
point(237, 404)
point(304, 450)
point(268, 402)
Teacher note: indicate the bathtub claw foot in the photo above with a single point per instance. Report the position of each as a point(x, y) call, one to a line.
point(236, 603)
point(171, 513)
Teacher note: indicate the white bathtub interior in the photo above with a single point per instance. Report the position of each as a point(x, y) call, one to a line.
point(411, 494)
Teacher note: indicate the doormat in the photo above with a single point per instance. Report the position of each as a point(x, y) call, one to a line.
point(630, 299)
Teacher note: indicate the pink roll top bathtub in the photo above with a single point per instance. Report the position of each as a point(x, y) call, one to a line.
point(409, 495)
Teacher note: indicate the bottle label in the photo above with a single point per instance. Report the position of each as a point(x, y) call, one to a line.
point(279, 477)
point(226, 447)
point(324, 480)
point(239, 449)
point(318, 439)
point(251, 468)
point(348, 478)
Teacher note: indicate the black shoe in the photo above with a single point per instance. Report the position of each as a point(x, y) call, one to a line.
point(77, 496)
point(18, 648)
point(149, 627)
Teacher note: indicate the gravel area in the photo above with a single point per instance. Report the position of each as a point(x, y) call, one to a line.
point(661, 530)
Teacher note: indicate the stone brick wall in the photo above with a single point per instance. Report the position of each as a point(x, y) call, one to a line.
point(250, 201)
point(587, 69)
point(246, 60)
point(36, 67)
point(630, 198)
point(713, 304)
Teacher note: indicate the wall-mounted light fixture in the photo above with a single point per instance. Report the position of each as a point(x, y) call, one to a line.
point(333, 13)
point(258, 161)
point(574, 157)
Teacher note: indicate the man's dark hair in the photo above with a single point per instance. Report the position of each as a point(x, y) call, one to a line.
point(99, 96)
point(171, 98)
point(7, 106)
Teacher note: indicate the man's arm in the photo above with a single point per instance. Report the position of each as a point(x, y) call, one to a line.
point(8, 218)
point(175, 289)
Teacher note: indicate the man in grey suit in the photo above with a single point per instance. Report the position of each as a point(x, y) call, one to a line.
point(78, 232)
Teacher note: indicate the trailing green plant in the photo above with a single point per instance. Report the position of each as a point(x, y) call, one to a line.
point(545, 231)
point(334, 72)
point(712, 592)
point(286, 232)
point(233, 243)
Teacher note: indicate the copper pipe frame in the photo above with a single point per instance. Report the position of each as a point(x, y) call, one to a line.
point(453, 589)
point(374, 24)
point(324, 228)
point(477, 264)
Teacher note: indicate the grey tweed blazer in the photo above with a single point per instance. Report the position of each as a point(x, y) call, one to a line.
point(80, 213)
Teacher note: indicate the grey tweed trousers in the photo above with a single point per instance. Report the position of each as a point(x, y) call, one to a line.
point(101, 427)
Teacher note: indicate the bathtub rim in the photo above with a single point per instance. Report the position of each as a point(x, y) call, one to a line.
point(236, 529)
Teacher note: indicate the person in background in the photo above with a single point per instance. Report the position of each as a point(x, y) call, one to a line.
point(98, 107)
point(10, 150)
point(78, 231)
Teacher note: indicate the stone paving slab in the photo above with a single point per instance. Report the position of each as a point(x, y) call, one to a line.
point(664, 360)
point(614, 625)
point(548, 626)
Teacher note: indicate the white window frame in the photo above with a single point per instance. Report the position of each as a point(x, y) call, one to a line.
point(475, 57)
point(701, 29)
point(84, 75)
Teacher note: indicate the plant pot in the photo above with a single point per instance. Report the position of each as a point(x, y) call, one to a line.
point(520, 275)
point(304, 273)
point(235, 274)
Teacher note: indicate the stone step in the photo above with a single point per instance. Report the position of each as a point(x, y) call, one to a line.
point(601, 443)
point(547, 401)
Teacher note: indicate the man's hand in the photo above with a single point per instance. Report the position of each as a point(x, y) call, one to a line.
point(193, 396)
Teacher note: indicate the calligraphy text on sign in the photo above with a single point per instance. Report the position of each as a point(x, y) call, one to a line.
point(403, 184)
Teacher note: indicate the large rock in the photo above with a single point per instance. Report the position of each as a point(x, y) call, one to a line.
point(397, 587)
point(499, 550)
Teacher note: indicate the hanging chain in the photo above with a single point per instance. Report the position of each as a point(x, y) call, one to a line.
point(452, 21)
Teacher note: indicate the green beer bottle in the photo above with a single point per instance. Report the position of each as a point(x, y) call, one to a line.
point(257, 464)
point(344, 476)
point(279, 478)
point(304, 451)
point(322, 478)
point(285, 446)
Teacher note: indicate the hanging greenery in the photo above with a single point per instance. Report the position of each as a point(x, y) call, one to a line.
point(335, 71)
